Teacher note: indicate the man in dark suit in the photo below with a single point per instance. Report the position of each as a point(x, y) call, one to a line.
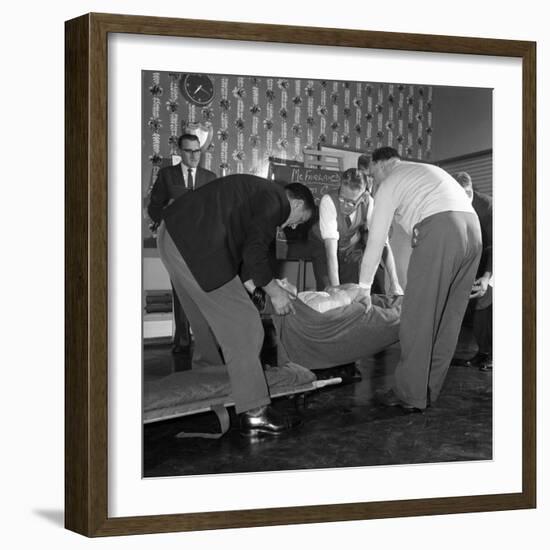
point(172, 182)
point(207, 238)
point(481, 298)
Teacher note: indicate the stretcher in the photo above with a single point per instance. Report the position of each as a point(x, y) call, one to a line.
point(208, 389)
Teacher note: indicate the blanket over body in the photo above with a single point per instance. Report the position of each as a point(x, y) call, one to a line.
point(342, 335)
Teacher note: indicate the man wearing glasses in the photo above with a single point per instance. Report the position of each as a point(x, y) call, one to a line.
point(344, 217)
point(363, 162)
point(173, 182)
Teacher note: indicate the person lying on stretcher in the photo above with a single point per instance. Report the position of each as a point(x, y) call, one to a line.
point(332, 328)
point(321, 301)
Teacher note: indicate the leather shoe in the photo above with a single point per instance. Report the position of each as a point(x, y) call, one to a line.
point(389, 399)
point(265, 420)
point(481, 359)
point(461, 362)
point(486, 365)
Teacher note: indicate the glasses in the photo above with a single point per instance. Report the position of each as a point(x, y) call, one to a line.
point(191, 151)
point(352, 203)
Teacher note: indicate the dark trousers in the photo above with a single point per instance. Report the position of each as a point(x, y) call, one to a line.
point(483, 323)
point(349, 267)
point(182, 334)
point(227, 316)
point(442, 268)
point(313, 250)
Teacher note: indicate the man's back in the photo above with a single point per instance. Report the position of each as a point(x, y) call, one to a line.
point(420, 190)
point(170, 185)
point(228, 221)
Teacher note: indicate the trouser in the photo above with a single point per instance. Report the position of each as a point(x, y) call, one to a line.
point(182, 336)
point(349, 265)
point(228, 315)
point(483, 323)
point(349, 269)
point(309, 249)
point(442, 268)
point(205, 350)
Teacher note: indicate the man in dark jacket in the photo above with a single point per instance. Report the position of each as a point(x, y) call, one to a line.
point(173, 182)
point(481, 299)
point(207, 239)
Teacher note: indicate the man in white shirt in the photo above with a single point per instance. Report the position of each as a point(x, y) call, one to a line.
point(446, 238)
point(344, 219)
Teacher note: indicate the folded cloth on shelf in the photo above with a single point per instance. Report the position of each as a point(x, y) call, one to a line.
point(158, 296)
point(342, 335)
point(158, 308)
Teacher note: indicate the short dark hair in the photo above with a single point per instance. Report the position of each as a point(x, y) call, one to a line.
point(188, 137)
point(463, 178)
point(384, 153)
point(352, 179)
point(302, 192)
point(363, 161)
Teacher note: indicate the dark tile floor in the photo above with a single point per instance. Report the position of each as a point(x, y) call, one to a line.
point(342, 426)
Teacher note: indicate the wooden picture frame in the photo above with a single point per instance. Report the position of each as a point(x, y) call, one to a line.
point(86, 280)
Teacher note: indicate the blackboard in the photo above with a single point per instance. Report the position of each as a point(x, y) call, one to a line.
point(320, 182)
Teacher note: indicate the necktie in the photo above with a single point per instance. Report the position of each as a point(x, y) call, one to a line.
point(348, 221)
point(190, 180)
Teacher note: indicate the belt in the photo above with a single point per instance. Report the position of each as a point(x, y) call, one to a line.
point(414, 239)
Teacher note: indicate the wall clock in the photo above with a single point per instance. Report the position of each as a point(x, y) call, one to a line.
point(197, 89)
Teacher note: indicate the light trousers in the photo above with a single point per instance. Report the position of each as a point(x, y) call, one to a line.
point(442, 268)
point(226, 314)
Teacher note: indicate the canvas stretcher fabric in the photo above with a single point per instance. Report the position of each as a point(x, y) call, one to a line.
point(321, 340)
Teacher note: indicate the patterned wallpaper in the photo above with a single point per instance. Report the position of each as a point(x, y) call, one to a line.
point(254, 118)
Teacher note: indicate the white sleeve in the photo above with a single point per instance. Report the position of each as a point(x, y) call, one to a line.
point(370, 211)
point(378, 234)
point(328, 225)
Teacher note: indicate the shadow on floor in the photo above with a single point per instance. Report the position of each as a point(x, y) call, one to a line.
point(57, 517)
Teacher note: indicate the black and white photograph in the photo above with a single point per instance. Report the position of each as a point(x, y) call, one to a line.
point(274, 277)
point(317, 274)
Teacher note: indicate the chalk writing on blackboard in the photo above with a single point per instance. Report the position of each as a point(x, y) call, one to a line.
point(320, 182)
point(319, 177)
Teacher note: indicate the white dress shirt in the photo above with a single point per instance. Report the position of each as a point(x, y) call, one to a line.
point(328, 225)
point(185, 171)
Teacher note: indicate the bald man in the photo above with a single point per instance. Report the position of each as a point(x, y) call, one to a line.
point(445, 235)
